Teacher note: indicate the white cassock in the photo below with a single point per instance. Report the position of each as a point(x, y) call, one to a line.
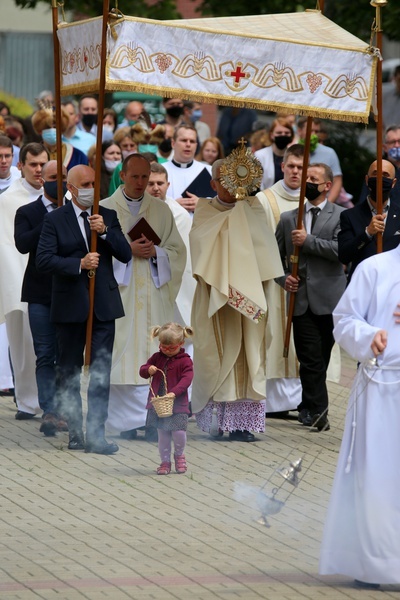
point(283, 383)
point(184, 298)
point(180, 177)
point(362, 529)
point(12, 311)
point(6, 380)
point(148, 294)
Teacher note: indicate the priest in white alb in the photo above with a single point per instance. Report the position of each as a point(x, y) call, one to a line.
point(149, 284)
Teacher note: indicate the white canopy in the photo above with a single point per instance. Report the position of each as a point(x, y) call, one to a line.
point(300, 62)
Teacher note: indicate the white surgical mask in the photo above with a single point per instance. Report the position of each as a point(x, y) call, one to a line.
point(111, 164)
point(85, 197)
point(108, 127)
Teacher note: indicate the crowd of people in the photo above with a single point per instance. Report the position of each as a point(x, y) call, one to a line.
point(180, 260)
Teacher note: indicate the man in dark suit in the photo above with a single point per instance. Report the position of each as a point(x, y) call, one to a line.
point(359, 225)
point(64, 252)
point(318, 287)
point(36, 291)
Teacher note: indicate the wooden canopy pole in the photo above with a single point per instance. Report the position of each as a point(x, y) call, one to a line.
point(378, 4)
point(95, 209)
point(57, 101)
point(294, 258)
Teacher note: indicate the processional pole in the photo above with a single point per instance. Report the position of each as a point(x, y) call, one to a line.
point(294, 258)
point(57, 99)
point(377, 29)
point(95, 209)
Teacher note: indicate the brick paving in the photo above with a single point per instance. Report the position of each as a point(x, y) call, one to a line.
point(82, 526)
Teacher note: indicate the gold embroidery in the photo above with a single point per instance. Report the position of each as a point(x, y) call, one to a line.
point(132, 55)
point(314, 82)
point(348, 85)
point(278, 75)
point(197, 64)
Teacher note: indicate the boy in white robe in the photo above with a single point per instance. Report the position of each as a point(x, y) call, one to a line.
point(362, 530)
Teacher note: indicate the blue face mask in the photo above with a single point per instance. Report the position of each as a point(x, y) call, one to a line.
point(196, 115)
point(50, 187)
point(132, 122)
point(148, 148)
point(394, 153)
point(49, 136)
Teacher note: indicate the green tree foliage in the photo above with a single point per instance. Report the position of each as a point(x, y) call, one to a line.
point(357, 17)
point(19, 107)
point(162, 9)
point(354, 158)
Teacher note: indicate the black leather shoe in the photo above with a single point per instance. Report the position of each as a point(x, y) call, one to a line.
point(307, 419)
point(130, 434)
point(49, 425)
point(365, 585)
point(241, 436)
point(20, 415)
point(101, 447)
point(151, 434)
point(282, 414)
point(76, 441)
point(320, 422)
point(302, 415)
point(7, 392)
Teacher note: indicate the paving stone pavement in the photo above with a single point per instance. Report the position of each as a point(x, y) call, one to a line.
point(82, 526)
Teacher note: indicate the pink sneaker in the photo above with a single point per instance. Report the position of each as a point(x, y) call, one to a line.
point(180, 463)
point(164, 468)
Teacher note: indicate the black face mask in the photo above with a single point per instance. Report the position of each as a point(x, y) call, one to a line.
point(89, 120)
point(386, 188)
point(312, 191)
point(282, 141)
point(166, 145)
point(50, 187)
point(174, 111)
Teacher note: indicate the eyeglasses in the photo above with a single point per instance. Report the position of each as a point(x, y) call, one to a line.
point(170, 348)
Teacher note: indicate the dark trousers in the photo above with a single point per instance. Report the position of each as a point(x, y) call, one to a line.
point(44, 344)
point(313, 340)
point(71, 338)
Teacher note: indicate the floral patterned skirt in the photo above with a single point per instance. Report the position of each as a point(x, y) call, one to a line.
point(244, 415)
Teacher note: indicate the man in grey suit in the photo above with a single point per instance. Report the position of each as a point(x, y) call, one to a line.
point(318, 287)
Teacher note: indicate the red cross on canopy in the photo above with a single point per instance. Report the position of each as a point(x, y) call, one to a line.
point(238, 74)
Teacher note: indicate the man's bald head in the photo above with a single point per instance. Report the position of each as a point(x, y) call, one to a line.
point(49, 171)
point(388, 170)
point(80, 175)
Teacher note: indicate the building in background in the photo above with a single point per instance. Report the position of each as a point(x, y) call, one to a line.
point(26, 50)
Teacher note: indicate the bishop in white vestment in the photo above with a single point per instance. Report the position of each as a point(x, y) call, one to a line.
point(234, 259)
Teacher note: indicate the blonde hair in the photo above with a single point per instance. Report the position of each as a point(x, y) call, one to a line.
point(45, 119)
point(171, 333)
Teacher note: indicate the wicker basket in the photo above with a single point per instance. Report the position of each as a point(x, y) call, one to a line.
point(163, 405)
